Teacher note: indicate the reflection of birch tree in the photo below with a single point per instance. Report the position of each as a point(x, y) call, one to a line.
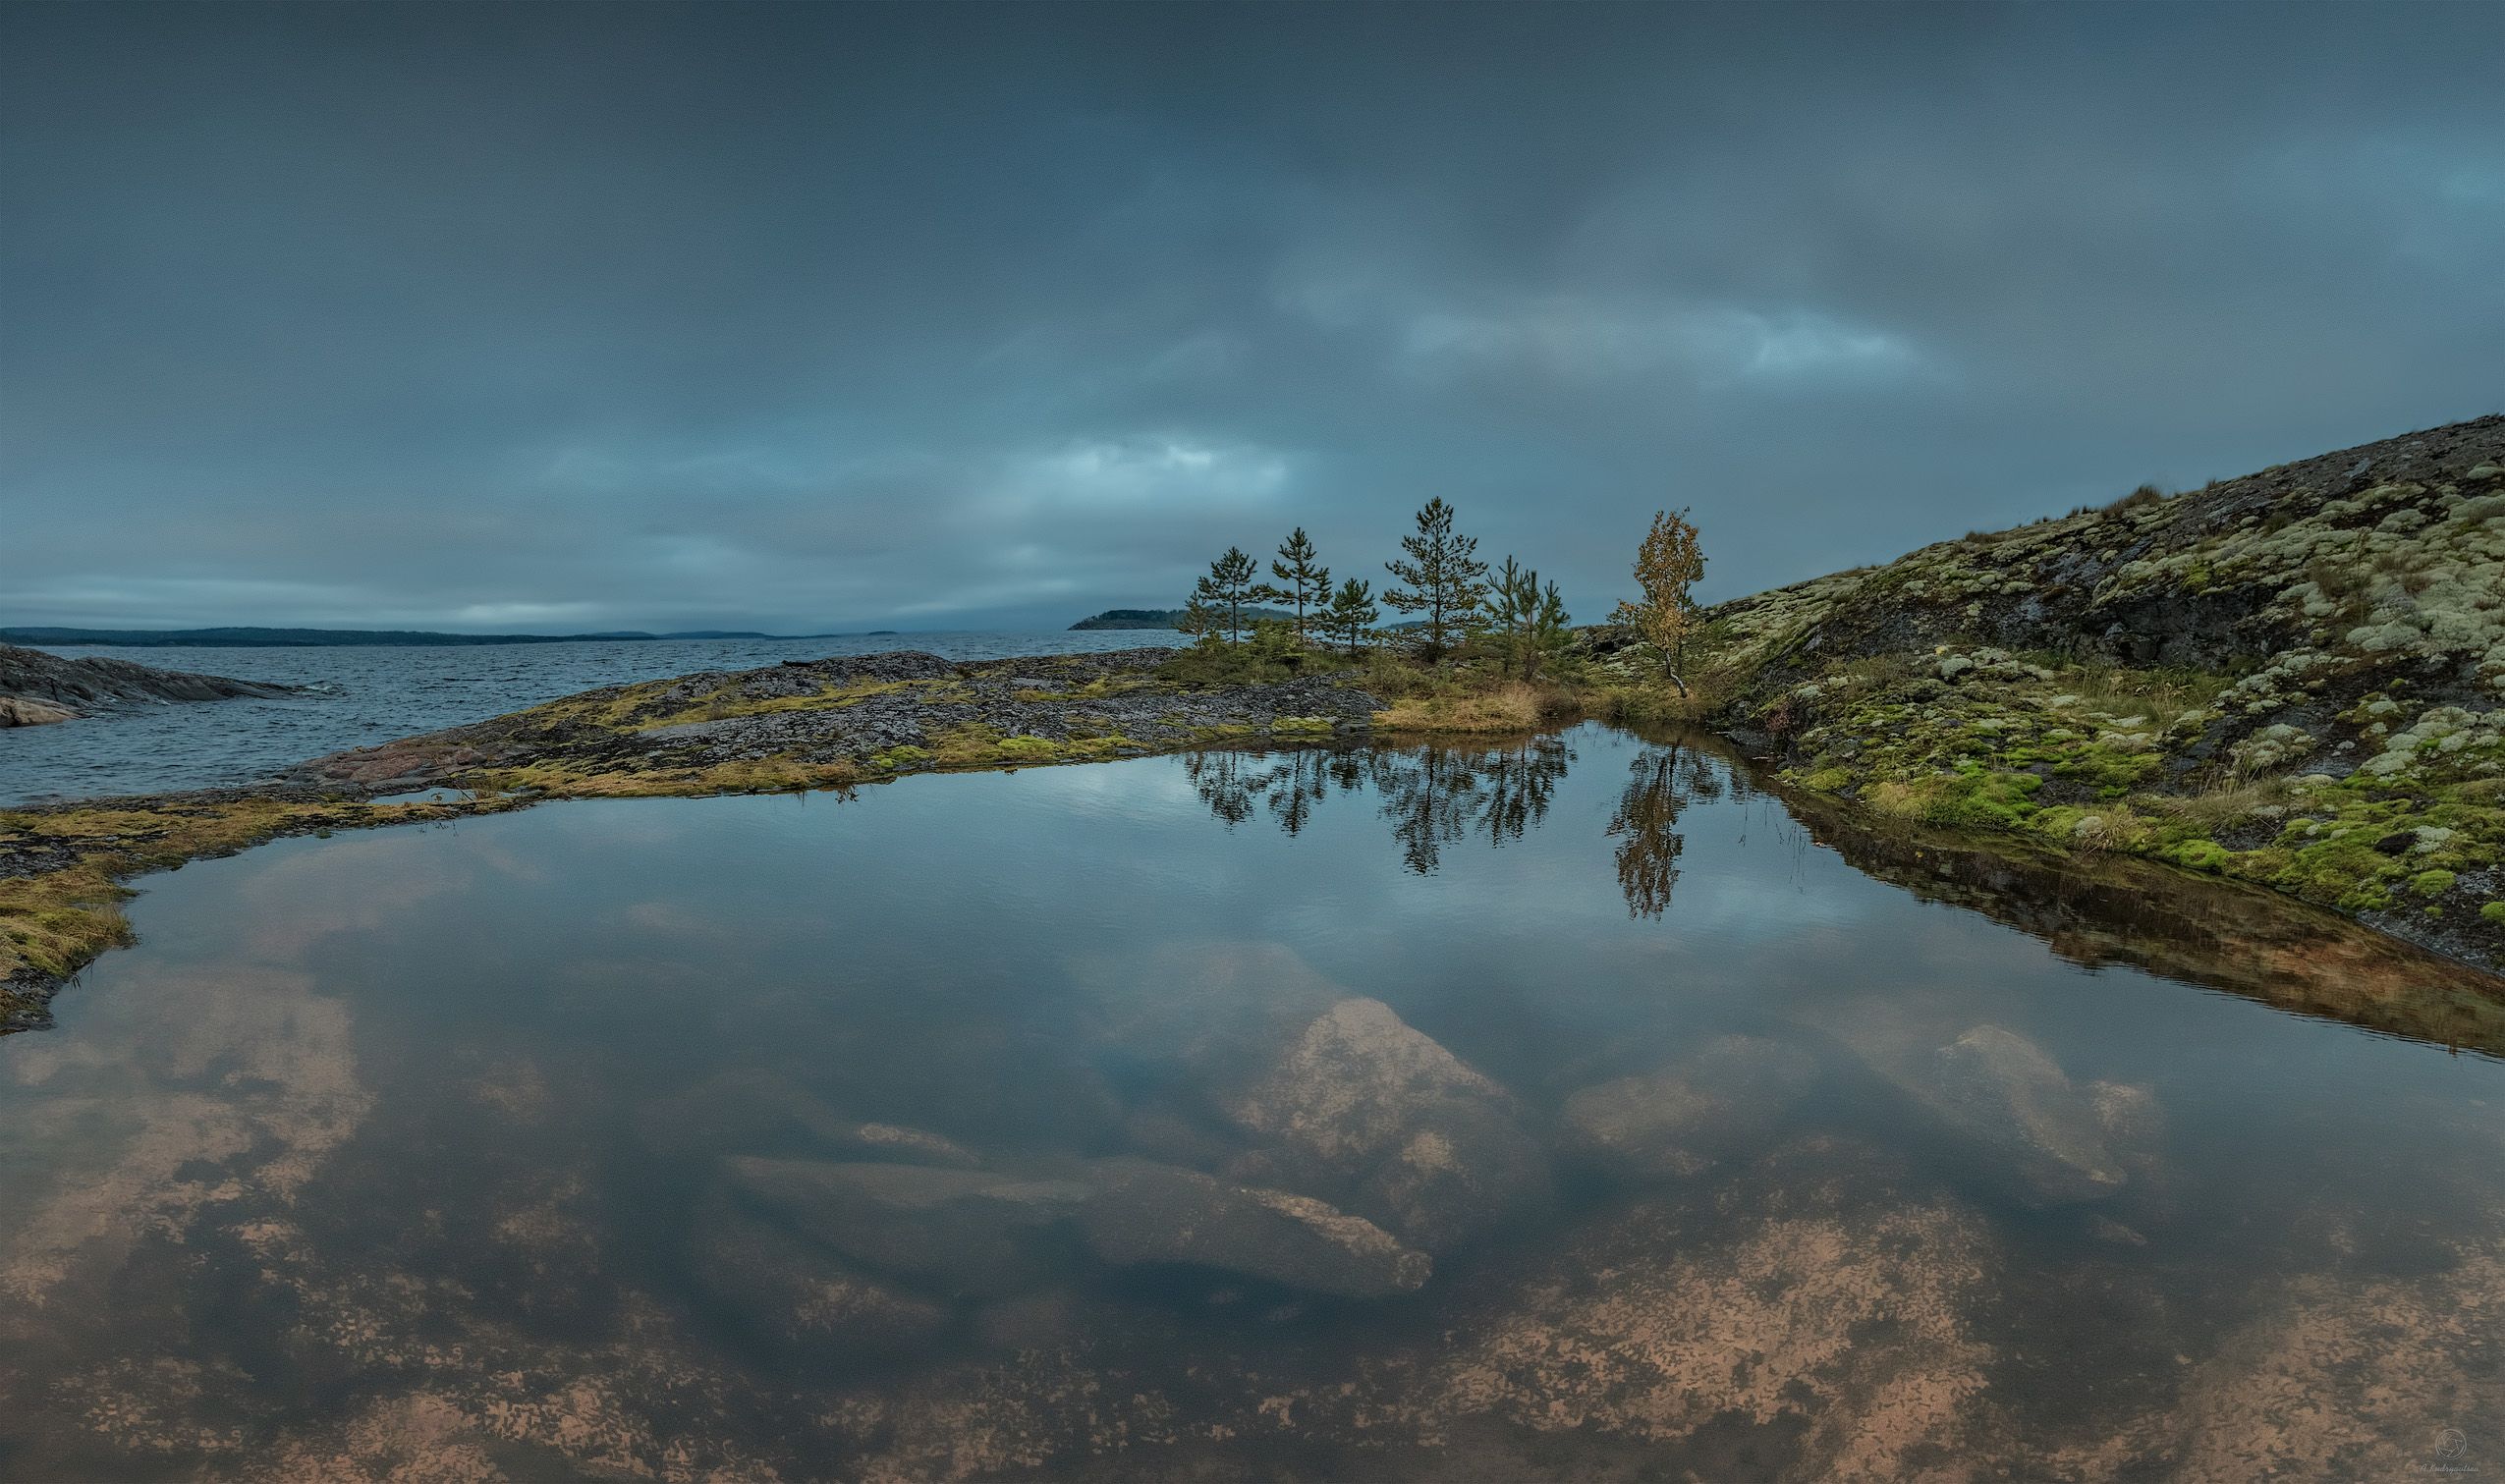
point(1646, 823)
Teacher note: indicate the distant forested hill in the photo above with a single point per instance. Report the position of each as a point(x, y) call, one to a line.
point(1161, 618)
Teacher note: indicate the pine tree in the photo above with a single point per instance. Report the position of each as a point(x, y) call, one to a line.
point(1510, 607)
point(1551, 629)
point(1531, 621)
point(1667, 564)
point(1199, 618)
point(1308, 581)
point(1351, 614)
point(1442, 577)
point(1227, 588)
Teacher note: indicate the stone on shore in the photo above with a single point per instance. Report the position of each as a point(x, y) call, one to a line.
point(19, 711)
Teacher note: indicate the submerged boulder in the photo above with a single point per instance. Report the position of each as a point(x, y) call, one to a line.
point(1145, 1212)
point(1680, 1120)
point(1999, 1089)
point(748, 1110)
point(803, 1297)
point(1363, 1104)
point(967, 1230)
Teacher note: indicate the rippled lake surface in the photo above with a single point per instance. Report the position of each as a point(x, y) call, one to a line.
point(1561, 1110)
point(368, 694)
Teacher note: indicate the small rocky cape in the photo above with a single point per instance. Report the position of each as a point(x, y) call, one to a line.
point(37, 686)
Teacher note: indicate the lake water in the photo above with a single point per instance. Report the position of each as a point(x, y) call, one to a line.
point(368, 694)
point(938, 1130)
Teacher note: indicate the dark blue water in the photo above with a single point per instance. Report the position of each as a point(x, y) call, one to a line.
point(953, 1129)
point(367, 695)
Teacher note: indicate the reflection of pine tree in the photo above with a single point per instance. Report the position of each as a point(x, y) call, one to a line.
point(1646, 823)
point(1521, 780)
point(1224, 782)
point(1432, 798)
point(1436, 797)
point(1293, 787)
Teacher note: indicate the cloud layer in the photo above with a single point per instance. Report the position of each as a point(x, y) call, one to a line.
point(793, 317)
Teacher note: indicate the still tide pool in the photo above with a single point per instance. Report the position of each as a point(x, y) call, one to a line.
point(1565, 1109)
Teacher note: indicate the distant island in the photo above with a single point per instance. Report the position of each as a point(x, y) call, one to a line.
point(1161, 618)
point(240, 638)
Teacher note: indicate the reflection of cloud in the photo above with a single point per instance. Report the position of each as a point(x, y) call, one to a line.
point(298, 897)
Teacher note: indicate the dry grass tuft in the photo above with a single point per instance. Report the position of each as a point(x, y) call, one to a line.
point(1510, 707)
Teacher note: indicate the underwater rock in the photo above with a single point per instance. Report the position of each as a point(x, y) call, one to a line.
point(1681, 1119)
point(1417, 1139)
point(748, 1110)
point(1146, 1212)
point(1999, 1089)
point(966, 1230)
point(801, 1296)
point(1820, 1325)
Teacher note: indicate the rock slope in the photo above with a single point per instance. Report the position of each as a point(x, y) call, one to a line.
point(2296, 678)
point(37, 686)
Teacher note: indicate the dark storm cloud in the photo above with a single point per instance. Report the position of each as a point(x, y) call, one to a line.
point(602, 317)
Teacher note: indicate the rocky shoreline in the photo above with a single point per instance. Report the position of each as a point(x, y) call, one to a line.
point(852, 719)
point(38, 688)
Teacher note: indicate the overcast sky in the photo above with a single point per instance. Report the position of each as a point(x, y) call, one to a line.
point(590, 317)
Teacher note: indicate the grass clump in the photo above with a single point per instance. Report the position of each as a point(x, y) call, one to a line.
point(1512, 706)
